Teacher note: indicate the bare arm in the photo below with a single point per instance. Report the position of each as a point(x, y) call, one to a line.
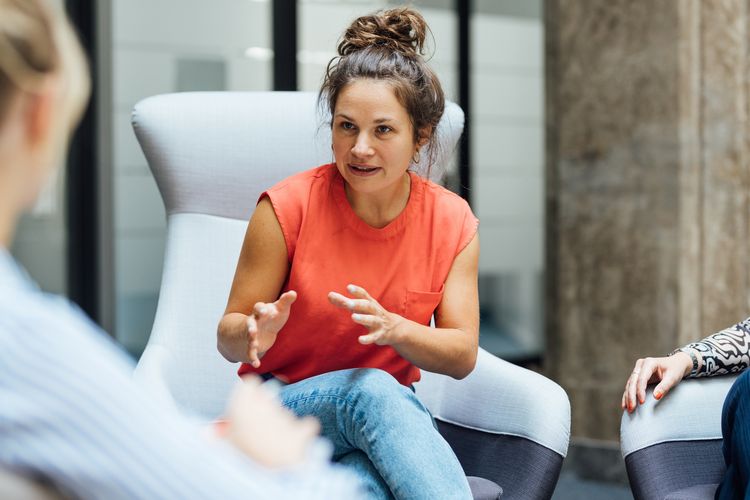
point(253, 315)
point(451, 347)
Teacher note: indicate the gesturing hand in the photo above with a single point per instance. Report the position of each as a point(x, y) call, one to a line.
point(366, 311)
point(264, 324)
point(668, 371)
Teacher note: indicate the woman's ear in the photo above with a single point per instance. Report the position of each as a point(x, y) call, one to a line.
point(39, 113)
point(424, 136)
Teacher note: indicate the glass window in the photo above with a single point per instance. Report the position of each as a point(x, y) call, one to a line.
point(507, 144)
point(161, 46)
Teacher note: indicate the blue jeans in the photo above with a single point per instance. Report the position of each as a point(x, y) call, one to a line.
point(735, 429)
point(382, 431)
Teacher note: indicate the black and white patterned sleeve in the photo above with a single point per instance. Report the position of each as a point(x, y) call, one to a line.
point(724, 352)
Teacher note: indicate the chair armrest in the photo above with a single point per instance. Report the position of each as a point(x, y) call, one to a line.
point(501, 398)
point(149, 375)
point(691, 411)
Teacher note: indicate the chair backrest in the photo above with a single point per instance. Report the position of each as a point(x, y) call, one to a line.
point(212, 154)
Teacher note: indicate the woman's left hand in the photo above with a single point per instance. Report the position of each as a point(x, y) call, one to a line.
point(366, 311)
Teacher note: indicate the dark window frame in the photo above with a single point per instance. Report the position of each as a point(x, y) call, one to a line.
point(82, 178)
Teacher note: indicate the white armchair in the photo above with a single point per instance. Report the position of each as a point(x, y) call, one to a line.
point(672, 447)
point(212, 154)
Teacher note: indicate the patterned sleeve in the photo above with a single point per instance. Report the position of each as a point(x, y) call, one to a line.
point(724, 352)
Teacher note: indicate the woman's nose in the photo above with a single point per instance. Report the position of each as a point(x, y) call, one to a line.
point(362, 147)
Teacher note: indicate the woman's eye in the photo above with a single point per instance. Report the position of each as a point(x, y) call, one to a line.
point(347, 125)
point(384, 129)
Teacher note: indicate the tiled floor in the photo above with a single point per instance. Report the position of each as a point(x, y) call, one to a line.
point(570, 487)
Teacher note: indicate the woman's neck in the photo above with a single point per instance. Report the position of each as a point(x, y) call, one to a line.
point(380, 209)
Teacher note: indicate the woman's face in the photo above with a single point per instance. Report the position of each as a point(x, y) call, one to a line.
point(373, 139)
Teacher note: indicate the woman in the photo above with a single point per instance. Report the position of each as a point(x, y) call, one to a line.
point(727, 351)
point(343, 266)
point(70, 414)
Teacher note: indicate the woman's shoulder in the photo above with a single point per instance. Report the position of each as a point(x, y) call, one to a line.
point(291, 197)
point(441, 197)
point(305, 178)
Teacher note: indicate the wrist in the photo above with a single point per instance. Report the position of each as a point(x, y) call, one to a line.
point(399, 330)
point(691, 361)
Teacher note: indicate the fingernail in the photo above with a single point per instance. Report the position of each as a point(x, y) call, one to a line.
point(350, 304)
point(642, 400)
point(356, 317)
point(262, 310)
point(658, 394)
point(351, 288)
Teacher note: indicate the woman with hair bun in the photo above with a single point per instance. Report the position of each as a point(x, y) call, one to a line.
point(71, 416)
point(344, 265)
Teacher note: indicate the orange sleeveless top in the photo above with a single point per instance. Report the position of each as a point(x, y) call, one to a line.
point(403, 266)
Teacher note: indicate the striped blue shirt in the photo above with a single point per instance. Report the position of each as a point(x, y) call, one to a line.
point(70, 414)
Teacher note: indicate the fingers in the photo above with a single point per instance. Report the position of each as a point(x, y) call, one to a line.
point(365, 306)
point(667, 371)
point(261, 309)
point(647, 368)
point(631, 387)
point(252, 341)
point(370, 338)
point(670, 379)
point(358, 291)
point(366, 320)
point(663, 388)
point(338, 300)
point(286, 299)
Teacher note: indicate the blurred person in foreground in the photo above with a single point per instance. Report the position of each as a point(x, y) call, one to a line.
point(722, 353)
point(70, 415)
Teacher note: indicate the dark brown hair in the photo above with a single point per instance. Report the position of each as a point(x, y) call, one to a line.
point(389, 46)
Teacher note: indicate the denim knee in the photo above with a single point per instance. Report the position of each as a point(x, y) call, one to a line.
point(378, 389)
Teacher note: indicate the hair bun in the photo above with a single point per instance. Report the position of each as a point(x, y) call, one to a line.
point(401, 30)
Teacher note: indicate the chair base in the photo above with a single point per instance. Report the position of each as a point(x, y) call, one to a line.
point(664, 469)
point(522, 468)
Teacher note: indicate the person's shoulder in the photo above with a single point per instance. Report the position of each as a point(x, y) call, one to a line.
point(442, 198)
point(304, 179)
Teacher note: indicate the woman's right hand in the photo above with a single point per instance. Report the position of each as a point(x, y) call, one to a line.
point(667, 371)
point(264, 324)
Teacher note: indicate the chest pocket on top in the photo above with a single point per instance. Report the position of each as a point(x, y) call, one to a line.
point(419, 306)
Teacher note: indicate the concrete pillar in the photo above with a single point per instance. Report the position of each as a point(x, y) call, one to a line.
point(646, 188)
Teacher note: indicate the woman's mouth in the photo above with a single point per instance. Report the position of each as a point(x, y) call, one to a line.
point(362, 170)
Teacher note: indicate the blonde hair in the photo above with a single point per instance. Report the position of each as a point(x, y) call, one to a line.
point(37, 42)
